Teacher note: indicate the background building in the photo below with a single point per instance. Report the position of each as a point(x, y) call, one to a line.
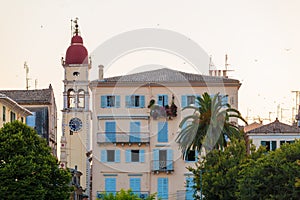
point(11, 110)
point(273, 135)
point(41, 103)
point(134, 140)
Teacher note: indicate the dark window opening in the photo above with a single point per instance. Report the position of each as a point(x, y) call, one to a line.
point(191, 156)
point(135, 155)
point(76, 73)
point(110, 155)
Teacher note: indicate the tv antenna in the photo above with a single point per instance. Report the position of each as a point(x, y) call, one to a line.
point(27, 75)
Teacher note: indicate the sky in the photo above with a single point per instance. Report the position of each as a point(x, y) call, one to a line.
point(260, 37)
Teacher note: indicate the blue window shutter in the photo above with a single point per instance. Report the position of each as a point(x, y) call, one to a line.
point(142, 155)
point(103, 101)
point(162, 188)
point(135, 129)
point(183, 101)
point(263, 143)
point(142, 101)
point(196, 155)
point(110, 131)
point(103, 156)
point(127, 102)
point(155, 159)
point(169, 159)
point(162, 132)
point(166, 102)
point(128, 155)
point(110, 185)
point(135, 185)
point(189, 188)
point(118, 101)
point(117, 156)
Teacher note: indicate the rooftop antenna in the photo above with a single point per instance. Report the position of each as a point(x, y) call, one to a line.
point(27, 75)
point(35, 83)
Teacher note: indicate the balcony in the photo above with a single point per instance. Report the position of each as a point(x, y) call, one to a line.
point(136, 138)
point(162, 166)
point(141, 194)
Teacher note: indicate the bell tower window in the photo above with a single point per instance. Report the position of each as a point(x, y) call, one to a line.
point(81, 102)
point(71, 98)
point(76, 73)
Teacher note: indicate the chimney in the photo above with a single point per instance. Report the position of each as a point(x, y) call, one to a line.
point(101, 72)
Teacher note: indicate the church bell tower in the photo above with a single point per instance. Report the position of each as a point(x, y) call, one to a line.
point(76, 114)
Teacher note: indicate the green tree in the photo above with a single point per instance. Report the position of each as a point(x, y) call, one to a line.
point(124, 195)
point(272, 176)
point(27, 168)
point(219, 171)
point(209, 125)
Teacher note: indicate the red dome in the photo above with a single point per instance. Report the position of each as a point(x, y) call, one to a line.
point(76, 39)
point(77, 53)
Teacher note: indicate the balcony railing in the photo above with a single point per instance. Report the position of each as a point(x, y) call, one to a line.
point(162, 165)
point(141, 194)
point(138, 138)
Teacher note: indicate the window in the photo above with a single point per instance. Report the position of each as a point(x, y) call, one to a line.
point(270, 145)
point(81, 99)
point(189, 188)
point(286, 141)
point(162, 188)
point(187, 100)
point(110, 155)
point(135, 101)
point(76, 73)
point(191, 100)
point(110, 101)
point(22, 119)
point(12, 116)
point(30, 120)
point(191, 156)
point(135, 185)
point(133, 155)
point(162, 132)
point(162, 100)
point(110, 185)
point(71, 98)
point(4, 113)
point(162, 160)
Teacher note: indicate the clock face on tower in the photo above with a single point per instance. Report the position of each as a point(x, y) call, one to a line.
point(75, 124)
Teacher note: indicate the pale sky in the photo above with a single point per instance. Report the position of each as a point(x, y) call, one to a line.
point(261, 38)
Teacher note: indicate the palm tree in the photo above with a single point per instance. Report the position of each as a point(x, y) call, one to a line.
point(209, 125)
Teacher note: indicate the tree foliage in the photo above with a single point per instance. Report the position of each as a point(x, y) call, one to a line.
point(232, 174)
point(124, 195)
point(209, 125)
point(27, 168)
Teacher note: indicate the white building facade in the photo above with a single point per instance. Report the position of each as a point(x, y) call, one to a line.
point(273, 135)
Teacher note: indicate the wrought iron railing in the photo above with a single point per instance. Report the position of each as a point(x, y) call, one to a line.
point(162, 165)
point(123, 137)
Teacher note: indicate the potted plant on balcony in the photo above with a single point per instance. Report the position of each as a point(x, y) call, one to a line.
point(157, 111)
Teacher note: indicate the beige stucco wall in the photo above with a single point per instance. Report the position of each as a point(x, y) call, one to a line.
point(122, 170)
point(20, 114)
